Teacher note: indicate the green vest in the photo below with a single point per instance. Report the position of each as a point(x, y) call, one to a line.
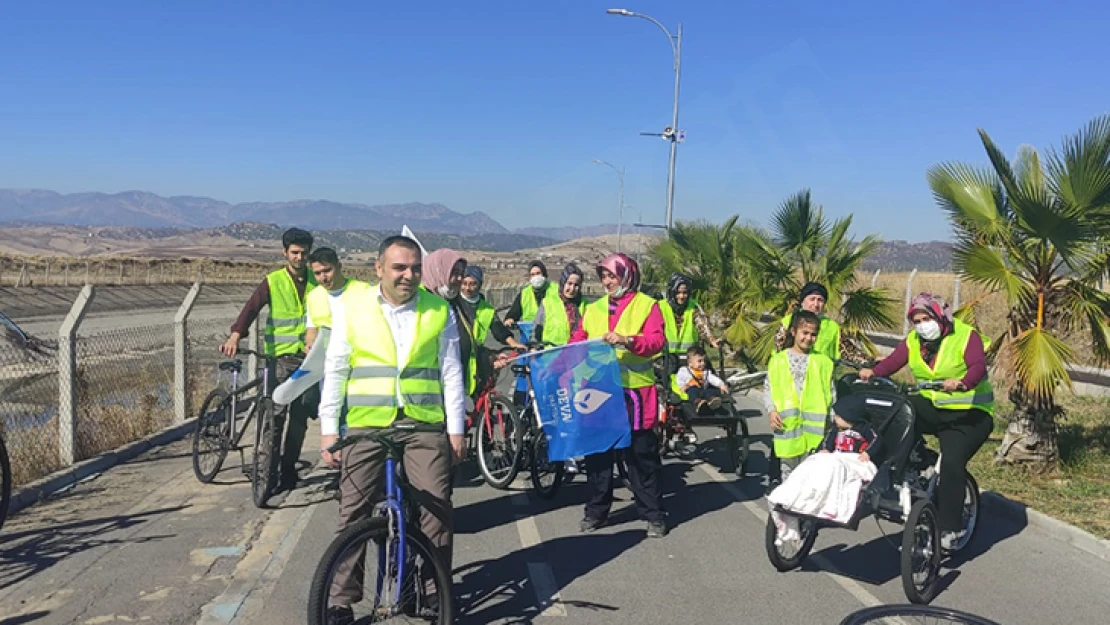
point(950, 365)
point(803, 421)
point(318, 302)
point(483, 321)
point(828, 336)
point(556, 324)
point(528, 304)
point(377, 371)
point(636, 371)
point(679, 341)
point(285, 326)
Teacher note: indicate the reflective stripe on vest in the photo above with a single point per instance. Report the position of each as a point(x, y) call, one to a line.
point(636, 371)
point(950, 364)
point(377, 376)
point(828, 336)
point(286, 324)
point(803, 422)
point(679, 341)
point(556, 324)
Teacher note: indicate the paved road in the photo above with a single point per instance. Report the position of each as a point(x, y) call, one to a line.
point(146, 543)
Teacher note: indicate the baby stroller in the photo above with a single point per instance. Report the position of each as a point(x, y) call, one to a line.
point(904, 491)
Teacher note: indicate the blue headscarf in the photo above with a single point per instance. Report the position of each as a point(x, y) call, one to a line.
point(474, 271)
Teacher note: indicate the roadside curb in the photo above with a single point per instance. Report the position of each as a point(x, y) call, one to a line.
point(1015, 511)
point(43, 488)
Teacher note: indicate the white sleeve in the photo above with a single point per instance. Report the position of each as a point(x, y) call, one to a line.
point(683, 377)
point(713, 379)
point(452, 377)
point(308, 321)
point(337, 367)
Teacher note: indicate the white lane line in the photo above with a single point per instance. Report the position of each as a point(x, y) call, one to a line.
point(540, 574)
point(848, 584)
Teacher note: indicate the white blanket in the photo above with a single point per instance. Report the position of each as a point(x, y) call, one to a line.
point(826, 486)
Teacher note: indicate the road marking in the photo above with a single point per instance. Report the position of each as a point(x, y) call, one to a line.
point(540, 574)
point(850, 585)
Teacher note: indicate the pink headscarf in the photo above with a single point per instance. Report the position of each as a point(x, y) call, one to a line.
point(624, 268)
point(935, 307)
point(437, 268)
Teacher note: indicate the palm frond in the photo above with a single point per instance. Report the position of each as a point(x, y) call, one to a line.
point(972, 197)
point(1080, 171)
point(1040, 362)
point(799, 226)
point(1090, 307)
point(987, 266)
point(866, 308)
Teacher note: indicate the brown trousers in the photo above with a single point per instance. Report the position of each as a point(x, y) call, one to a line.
point(362, 484)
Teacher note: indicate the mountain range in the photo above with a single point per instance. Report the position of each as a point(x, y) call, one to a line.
point(140, 211)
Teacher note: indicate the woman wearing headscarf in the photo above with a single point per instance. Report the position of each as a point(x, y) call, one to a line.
point(633, 323)
point(555, 326)
point(485, 323)
point(813, 298)
point(943, 349)
point(538, 291)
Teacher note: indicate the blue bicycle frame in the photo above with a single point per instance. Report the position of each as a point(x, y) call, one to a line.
point(394, 502)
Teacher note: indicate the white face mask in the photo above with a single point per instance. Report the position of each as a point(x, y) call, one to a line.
point(928, 330)
point(618, 292)
point(471, 300)
point(537, 282)
point(447, 292)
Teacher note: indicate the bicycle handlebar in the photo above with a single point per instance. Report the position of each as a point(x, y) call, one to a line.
point(854, 365)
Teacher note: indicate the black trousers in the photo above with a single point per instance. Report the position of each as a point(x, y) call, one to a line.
point(961, 433)
point(645, 476)
point(697, 393)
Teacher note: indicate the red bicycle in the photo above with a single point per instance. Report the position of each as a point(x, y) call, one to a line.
point(495, 435)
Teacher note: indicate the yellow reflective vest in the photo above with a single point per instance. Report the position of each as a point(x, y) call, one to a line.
point(379, 374)
point(285, 326)
point(950, 364)
point(828, 336)
point(803, 418)
point(636, 371)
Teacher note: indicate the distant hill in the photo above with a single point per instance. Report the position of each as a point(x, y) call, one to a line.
point(903, 256)
point(570, 233)
point(147, 210)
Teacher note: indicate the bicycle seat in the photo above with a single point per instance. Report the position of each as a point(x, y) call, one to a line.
point(232, 365)
point(519, 369)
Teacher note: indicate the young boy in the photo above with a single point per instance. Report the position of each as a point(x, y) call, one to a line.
point(702, 387)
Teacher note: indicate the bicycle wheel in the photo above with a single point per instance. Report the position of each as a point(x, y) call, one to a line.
point(211, 440)
point(970, 513)
point(913, 614)
point(366, 547)
point(547, 476)
point(5, 482)
point(738, 446)
point(264, 464)
point(921, 553)
point(788, 555)
point(498, 451)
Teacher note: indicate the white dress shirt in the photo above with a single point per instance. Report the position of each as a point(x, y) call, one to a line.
point(402, 325)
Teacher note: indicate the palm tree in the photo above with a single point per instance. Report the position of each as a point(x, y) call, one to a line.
point(746, 273)
point(1036, 231)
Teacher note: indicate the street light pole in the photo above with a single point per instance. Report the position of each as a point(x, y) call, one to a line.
point(676, 50)
point(620, 199)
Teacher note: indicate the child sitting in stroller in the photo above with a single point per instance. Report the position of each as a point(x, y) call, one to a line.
point(827, 485)
point(702, 389)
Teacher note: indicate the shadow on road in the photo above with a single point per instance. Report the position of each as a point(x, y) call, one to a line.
point(30, 617)
point(502, 589)
point(28, 553)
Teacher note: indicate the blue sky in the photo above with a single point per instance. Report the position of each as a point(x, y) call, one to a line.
point(502, 105)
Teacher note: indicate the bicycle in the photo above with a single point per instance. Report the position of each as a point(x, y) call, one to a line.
point(217, 433)
point(495, 436)
point(402, 547)
point(5, 482)
point(913, 614)
point(546, 476)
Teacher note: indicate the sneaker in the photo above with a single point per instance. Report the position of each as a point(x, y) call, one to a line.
point(340, 615)
point(691, 437)
point(656, 529)
point(570, 466)
point(714, 403)
point(949, 541)
point(588, 525)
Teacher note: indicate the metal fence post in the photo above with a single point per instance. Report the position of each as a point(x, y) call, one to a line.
point(956, 294)
point(66, 275)
point(180, 355)
point(909, 297)
point(46, 281)
point(875, 278)
point(252, 360)
point(87, 272)
point(22, 281)
point(67, 376)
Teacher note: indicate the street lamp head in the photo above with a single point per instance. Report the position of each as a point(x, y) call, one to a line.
point(618, 12)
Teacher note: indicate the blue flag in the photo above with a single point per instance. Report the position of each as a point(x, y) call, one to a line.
point(580, 399)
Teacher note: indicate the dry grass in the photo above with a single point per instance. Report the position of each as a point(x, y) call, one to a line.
point(1078, 492)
